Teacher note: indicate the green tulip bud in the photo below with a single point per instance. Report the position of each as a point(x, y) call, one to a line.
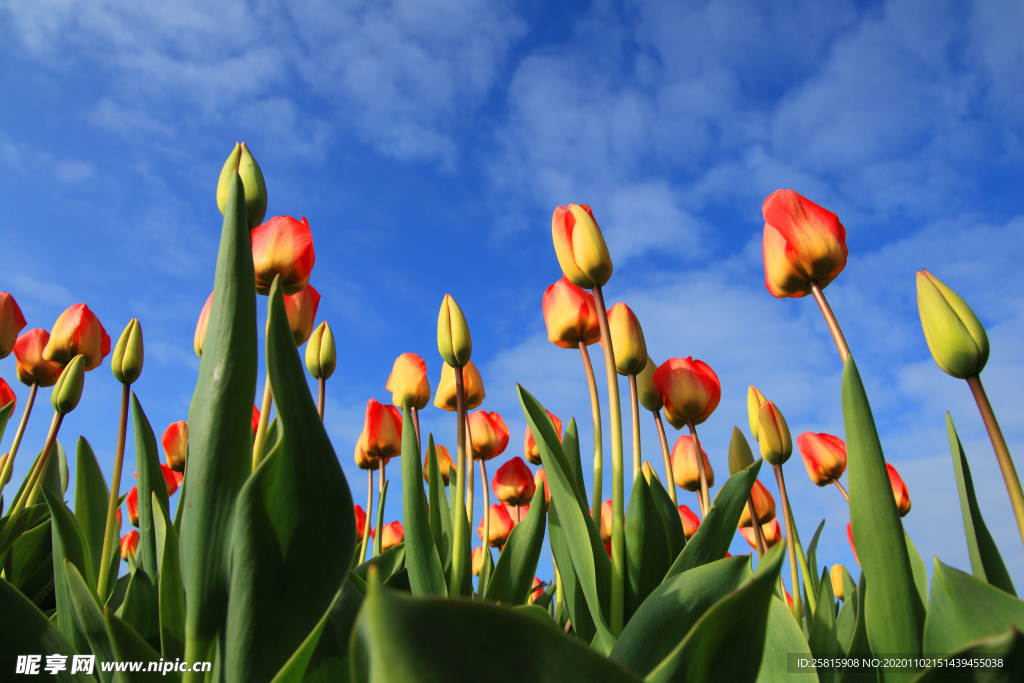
point(740, 455)
point(954, 334)
point(650, 396)
point(241, 161)
point(321, 355)
point(453, 340)
point(755, 399)
point(776, 443)
point(126, 361)
point(68, 389)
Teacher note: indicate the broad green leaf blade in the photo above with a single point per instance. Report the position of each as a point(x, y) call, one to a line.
point(894, 615)
point(89, 619)
point(664, 619)
point(29, 565)
point(964, 608)
point(220, 429)
point(513, 575)
point(1010, 645)
point(53, 479)
point(426, 575)
point(715, 533)
point(129, 646)
point(458, 516)
point(294, 531)
point(25, 630)
point(647, 550)
point(151, 482)
point(812, 557)
point(179, 509)
point(571, 449)
point(783, 637)
point(31, 516)
point(388, 563)
point(669, 518)
point(91, 498)
point(390, 643)
point(572, 591)
point(986, 562)
point(822, 640)
point(859, 646)
point(68, 542)
point(727, 642)
point(440, 515)
point(141, 608)
point(329, 662)
point(295, 668)
point(118, 591)
point(917, 566)
point(170, 591)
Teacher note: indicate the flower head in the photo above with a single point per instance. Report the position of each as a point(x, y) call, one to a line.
point(11, 323)
point(32, 368)
point(824, 456)
point(570, 315)
point(446, 397)
point(530, 449)
point(490, 434)
point(580, 247)
point(690, 388)
point(283, 246)
point(803, 243)
point(684, 465)
point(408, 382)
point(513, 483)
point(77, 331)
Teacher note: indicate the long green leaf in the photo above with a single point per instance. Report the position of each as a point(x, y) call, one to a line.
point(822, 639)
point(440, 514)
point(964, 608)
point(29, 565)
point(571, 449)
point(513, 575)
point(812, 557)
point(388, 563)
point(918, 568)
point(170, 590)
point(295, 668)
point(25, 630)
point(783, 637)
point(572, 592)
point(426, 574)
point(647, 549)
point(859, 647)
point(670, 518)
point(129, 646)
point(141, 608)
point(151, 483)
point(378, 538)
point(68, 542)
point(1009, 645)
point(89, 619)
point(329, 662)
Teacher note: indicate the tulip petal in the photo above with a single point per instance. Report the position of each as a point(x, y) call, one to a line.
point(815, 239)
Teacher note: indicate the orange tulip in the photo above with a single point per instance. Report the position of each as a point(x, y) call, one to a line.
point(474, 387)
point(536, 591)
point(501, 524)
point(301, 310)
point(255, 419)
point(627, 340)
point(172, 479)
point(382, 430)
point(490, 435)
point(802, 243)
point(764, 505)
point(513, 483)
point(849, 537)
point(789, 600)
point(530, 448)
point(77, 331)
point(517, 514)
point(119, 522)
point(579, 246)
point(824, 456)
point(478, 560)
point(444, 463)
point(204, 316)
point(570, 315)
point(129, 544)
point(690, 521)
point(772, 534)
point(691, 390)
point(360, 521)
point(11, 323)
point(541, 479)
point(899, 490)
point(282, 246)
point(408, 382)
point(363, 461)
point(393, 535)
point(175, 441)
point(684, 465)
point(7, 395)
point(606, 522)
point(31, 366)
point(131, 501)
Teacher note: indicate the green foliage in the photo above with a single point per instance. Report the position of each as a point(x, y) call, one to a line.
point(513, 575)
point(426, 574)
point(963, 609)
point(648, 554)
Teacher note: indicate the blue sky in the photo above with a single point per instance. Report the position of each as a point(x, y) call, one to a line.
point(428, 143)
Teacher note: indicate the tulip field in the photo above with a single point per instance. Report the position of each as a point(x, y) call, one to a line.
point(275, 567)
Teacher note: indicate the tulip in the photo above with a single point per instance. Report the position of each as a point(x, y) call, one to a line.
point(132, 503)
point(283, 246)
point(849, 537)
point(172, 479)
point(648, 472)
point(789, 599)
point(408, 382)
point(32, 368)
point(513, 483)
point(478, 559)
point(364, 461)
point(301, 310)
point(764, 505)
point(255, 418)
point(7, 396)
point(803, 244)
point(474, 387)
point(627, 340)
point(824, 457)
point(68, 389)
point(955, 336)
point(580, 247)
point(540, 479)
point(241, 161)
point(776, 443)
point(393, 535)
point(530, 449)
point(899, 490)
point(740, 456)
point(517, 512)
point(382, 430)
point(836, 573)
point(684, 465)
point(77, 331)
point(200, 336)
point(321, 353)
point(499, 526)
point(690, 521)
point(649, 394)
point(444, 463)
point(606, 522)
point(772, 534)
point(453, 340)
point(11, 323)
point(360, 521)
point(490, 435)
point(126, 361)
point(570, 315)
point(690, 388)
point(119, 521)
point(755, 399)
point(175, 442)
point(536, 591)
point(129, 544)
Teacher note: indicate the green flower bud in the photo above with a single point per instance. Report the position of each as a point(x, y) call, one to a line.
point(126, 361)
point(68, 389)
point(649, 395)
point(740, 455)
point(321, 355)
point(954, 334)
point(755, 399)
point(776, 443)
point(242, 162)
point(453, 340)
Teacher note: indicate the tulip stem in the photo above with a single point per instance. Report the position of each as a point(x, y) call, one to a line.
point(618, 490)
point(460, 531)
point(103, 583)
point(755, 524)
point(369, 511)
point(671, 485)
point(261, 431)
point(44, 465)
point(36, 475)
point(1002, 452)
point(702, 496)
point(485, 573)
point(595, 413)
point(635, 405)
point(416, 426)
point(790, 541)
point(5, 476)
point(321, 397)
point(830, 320)
point(471, 484)
point(842, 490)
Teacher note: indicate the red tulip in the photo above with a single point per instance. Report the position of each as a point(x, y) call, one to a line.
point(360, 521)
point(513, 483)
point(764, 505)
point(408, 382)
point(255, 419)
point(824, 456)
point(119, 522)
point(31, 366)
point(530, 449)
point(478, 560)
point(690, 521)
point(606, 522)
point(444, 463)
point(608, 548)
point(7, 395)
point(171, 478)
point(129, 544)
point(899, 490)
point(132, 502)
point(691, 390)
point(382, 430)
point(849, 537)
point(789, 599)
point(11, 323)
point(393, 535)
point(517, 514)
point(802, 243)
point(301, 310)
point(204, 316)
point(283, 246)
point(772, 534)
point(77, 331)
point(175, 442)
point(684, 465)
point(570, 315)
point(542, 477)
point(501, 524)
point(536, 591)
point(490, 435)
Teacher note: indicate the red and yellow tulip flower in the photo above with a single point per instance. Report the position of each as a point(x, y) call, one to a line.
point(478, 558)
point(580, 247)
point(536, 591)
point(824, 457)
point(444, 463)
point(129, 544)
point(570, 315)
point(684, 465)
point(754, 401)
point(255, 419)
point(32, 368)
point(474, 386)
point(513, 483)
point(772, 534)
point(764, 505)
point(393, 535)
point(7, 396)
point(175, 442)
point(530, 449)
point(500, 526)
point(200, 336)
point(360, 521)
point(364, 461)
point(131, 501)
point(172, 479)
point(606, 522)
point(540, 479)
point(11, 323)
point(627, 340)
point(690, 388)
point(77, 331)
point(836, 574)
point(690, 521)
point(301, 310)
point(899, 490)
point(408, 382)
point(490, 434)
point(803, 243)
point(773, 434)
point(382, 430)
point(283, 246)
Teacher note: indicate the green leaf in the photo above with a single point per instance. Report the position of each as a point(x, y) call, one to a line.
point(1010, 645)
point(917, 566)
point(572, 591)
point(141, 608)
point(647, 550)
point(129, 646)
point(54, 479)
point(822, 640)
point(329, 662)
point(783, 637)
point(388, 563)
point(295, 668)
point(179, 510)
point(150, 482)
point(458, 516)
point(964, 608)
point(664, 619)
point(426, 575)
point(62, 468)
point(986, 562)
point(29, 565)
point(714, 535)
point(669, 518)
point(68, 542)
point(378, 539)
point(294, 531)
point(89, 619)
point(894, 614)
point(513, 575)
point(91, 499)
point(5, 415)
point(220, 429)
point(812, 557)
point(118, 591)
point(170, 591)
point(571, 449)
point(859, 646)
point(29, 518)
point(727, 642)
point(440, 515)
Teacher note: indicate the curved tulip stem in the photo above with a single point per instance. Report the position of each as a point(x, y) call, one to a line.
point(755, 524)
point(634, 402)
point(103, 583)
point(321, 397)
point(842, 490)
point(35, 477)
point(1002, 452)
point(416, 426)
point(369, 511)
point(790, 541)
point(261, 431)
point(485, 573)
point(517, 515)
point(618, 487)
point(671, 479)
point(702, 496)
point(595, 414)
point(460, 532)
point(830, 320)
point(470, 470)
point(5, 476)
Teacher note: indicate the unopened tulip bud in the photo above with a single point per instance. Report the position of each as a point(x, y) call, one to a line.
point(453, 340)
point(240, 161)
point(955, 336)
point(31, 367)
point(68, 389)
point(691, 390)
point(129, 544)
point(539, 480)
point(126, 361)
point(301, 311)
point(444, 463)
point(478, 559)
point(360, 521)
point(364, 461)
point(394, 533)
point(172, 479)
point(446, 395)
point(408, 382)
point(836, 573)
point(283, 246)
point(824, 457)
point(764, 505)
point(382, 430)
point(499, 526)
point(490, 434)
point(7, 396)
point(772, 534)
point(530, 449)
point(513, 483)
point(606, 521)
point(77, 331)
point(649, 395)
point(690, 521)
point(11, 323)
point(570, 315)
point(175, 442)
point(649, 472)
point(755, 399)
point(200, 336)
point(776, 443)
point(131, 501)
point(684, 465)
point(321, 354)
point(627, 340)
point(803, 243)
point(580, 246)
point(899, 490)
point(740, 455)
